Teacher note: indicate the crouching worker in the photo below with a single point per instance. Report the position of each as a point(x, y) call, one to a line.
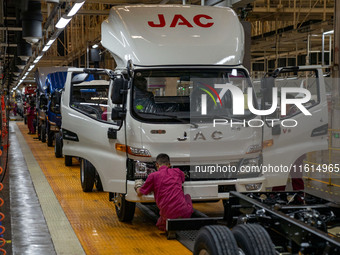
point(166, 184)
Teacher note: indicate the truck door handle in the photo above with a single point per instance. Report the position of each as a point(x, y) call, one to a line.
point(183, 138)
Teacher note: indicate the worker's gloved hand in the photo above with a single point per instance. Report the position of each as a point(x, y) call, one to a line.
point(138, 183)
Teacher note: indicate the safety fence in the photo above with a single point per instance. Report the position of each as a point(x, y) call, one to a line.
point(327, 163)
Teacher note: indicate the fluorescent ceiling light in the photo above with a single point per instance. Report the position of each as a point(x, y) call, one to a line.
point(46, 48)
point(50, 42)
point(37, 59)
point(75, 9)
point(26, 73)
point(62, 22)
point(95, 46)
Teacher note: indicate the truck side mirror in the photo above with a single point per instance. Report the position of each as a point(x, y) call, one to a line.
point(79, 78)
point(117, 113)
point(118, 93)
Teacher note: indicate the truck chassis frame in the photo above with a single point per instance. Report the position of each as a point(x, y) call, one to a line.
point(296, 221)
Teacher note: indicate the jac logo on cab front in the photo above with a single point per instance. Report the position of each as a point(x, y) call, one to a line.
point(200, 20)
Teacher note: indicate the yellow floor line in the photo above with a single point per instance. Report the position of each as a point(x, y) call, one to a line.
point(56, 220)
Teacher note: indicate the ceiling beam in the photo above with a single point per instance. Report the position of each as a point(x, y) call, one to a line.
point(276, 11)
point(11, 28)
point(8, 45)
point(119, 2)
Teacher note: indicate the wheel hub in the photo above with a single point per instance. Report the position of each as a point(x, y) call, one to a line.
point(204, 252)
point(117, 200)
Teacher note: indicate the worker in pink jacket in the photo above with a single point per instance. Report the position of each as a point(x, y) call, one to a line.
point(166, 184)
point(30, 117)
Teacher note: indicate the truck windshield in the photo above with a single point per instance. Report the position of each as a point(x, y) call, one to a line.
point(170, 95)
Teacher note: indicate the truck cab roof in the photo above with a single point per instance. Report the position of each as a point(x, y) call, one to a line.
point(156, 35)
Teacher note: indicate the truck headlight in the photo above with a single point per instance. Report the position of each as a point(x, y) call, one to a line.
point(254, 148)
point(249, 168)
point(140, 152)
point(143, 169)
point(253, 186)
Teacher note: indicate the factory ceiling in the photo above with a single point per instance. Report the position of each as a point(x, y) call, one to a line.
point(281, 30)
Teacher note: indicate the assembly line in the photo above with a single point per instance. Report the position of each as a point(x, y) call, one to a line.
point(169, 130)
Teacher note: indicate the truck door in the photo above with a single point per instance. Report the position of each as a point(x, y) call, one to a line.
point(294, 134)
point(85, 109)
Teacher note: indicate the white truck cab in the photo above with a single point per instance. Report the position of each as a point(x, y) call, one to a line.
point(180, 88)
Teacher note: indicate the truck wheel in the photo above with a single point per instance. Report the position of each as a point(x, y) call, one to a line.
point(68, 160)
point(87, 175)
point(39, 132)
point(125, 210)
point(43, 133)
point(58, 146)
point(98, 182)
point(215, 240)
point(253, 239)
point(50, 137)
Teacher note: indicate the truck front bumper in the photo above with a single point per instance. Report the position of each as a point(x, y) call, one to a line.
point(206, 190)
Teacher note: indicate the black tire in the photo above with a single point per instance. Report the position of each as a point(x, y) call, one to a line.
point(215, 240)
point(50, 137)
point(125, 210)
point(39, 132)
point(68, 160)
point(87, 175)
point(43, 133)
point(253, 239)
point(98, 182)
point(58, 146)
